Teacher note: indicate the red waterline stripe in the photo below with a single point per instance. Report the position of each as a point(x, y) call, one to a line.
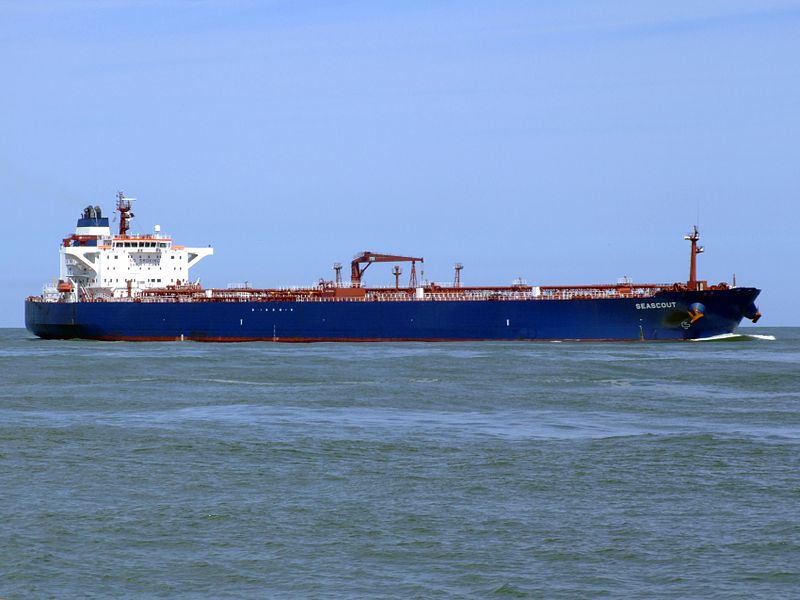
point(301, 340)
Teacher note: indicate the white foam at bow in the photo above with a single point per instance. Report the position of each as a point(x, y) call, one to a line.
point(735, 336)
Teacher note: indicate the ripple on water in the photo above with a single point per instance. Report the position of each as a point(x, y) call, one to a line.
point(400, 470)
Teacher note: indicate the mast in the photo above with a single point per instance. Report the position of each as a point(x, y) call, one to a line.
point(457, 279)
point(125, 213)
point(338, 268)
point(693, 237)
point(397, 271)
point(412, 279)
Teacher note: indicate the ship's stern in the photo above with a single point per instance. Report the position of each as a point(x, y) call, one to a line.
point(50, 320)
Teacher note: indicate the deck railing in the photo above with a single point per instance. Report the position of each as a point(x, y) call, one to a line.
point(435, 294)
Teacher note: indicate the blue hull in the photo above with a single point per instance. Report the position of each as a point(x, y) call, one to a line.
point(662, 317)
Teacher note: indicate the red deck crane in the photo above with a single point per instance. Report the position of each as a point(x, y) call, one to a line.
point(367, 258)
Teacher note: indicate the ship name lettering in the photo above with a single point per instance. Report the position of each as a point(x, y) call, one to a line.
point(646, 305)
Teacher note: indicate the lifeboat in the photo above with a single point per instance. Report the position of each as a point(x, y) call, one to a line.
point(65, 286)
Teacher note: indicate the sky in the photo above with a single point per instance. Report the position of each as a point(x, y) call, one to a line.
point(561, 142)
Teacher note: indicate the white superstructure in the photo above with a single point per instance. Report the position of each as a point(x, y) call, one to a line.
point(96, 263)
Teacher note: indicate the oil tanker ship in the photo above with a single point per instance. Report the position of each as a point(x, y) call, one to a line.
point(121, 286)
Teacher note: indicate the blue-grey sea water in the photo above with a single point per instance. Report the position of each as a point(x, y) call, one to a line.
point(409, 470)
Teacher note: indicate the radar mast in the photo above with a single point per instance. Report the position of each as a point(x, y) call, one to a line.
point(125, 208)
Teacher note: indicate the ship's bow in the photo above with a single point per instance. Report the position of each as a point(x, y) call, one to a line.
point(717, 312)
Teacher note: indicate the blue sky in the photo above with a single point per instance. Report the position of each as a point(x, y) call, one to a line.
point(563, 142)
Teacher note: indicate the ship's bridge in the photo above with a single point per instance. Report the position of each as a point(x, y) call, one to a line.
point(142, 242)
point(102, 264)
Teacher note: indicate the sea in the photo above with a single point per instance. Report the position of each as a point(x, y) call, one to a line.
point(400, 470)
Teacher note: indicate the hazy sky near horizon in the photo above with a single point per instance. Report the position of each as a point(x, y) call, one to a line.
point(562, 142)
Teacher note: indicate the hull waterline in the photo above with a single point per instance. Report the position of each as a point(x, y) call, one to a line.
point(663, 317)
